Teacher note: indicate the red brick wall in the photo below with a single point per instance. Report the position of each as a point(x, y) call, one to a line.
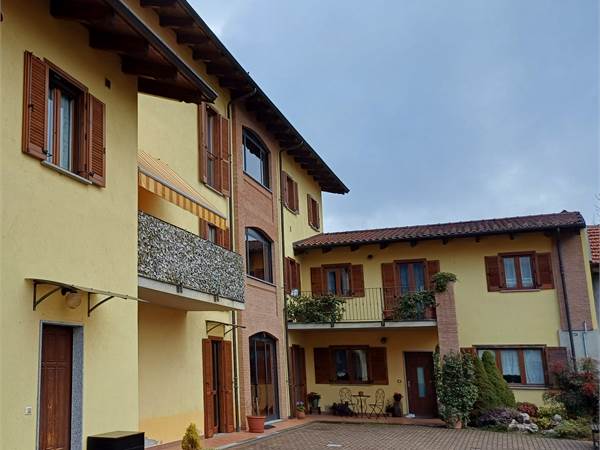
point(256, 206)
point(575, 266)
point(447, 325)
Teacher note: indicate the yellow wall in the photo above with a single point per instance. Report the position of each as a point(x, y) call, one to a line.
point(57, 228)
point(296, 226)
point(170, 361)
point(398, 342)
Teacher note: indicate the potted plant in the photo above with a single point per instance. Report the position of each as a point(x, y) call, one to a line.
point(397, 406)
point(314, 398)
point(300, 413)
point(256, 423)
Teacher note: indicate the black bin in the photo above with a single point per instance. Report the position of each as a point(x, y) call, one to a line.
point(116, 440)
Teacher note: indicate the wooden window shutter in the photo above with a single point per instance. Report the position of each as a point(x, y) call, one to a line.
point(202, 144)
point(433, 267)
point(322, 365)
point(316, 215)
point(469, 350)
point(226, 239)
point(295, 198)
point(358, 280)
point(284, 190)
point(492, 273)
point(391, 289)
point(298, 282)
point(556, 358)
point(544, 271)
point(96, 135)
point(378, 365)
point(225, 162)
point(227, 387)
point(310, 209)
point(286, 276)
point(316, 280)
point(207, 371)
point(203, 229)
point(35, 116)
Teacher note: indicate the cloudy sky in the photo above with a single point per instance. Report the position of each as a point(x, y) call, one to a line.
point(432, 111)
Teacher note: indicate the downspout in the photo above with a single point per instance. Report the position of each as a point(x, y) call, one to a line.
point(234, 337)
point(285, 299)
point(566, 299)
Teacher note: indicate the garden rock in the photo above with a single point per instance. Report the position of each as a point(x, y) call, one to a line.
point(557, 418)
point(525, 427)
point(523, 418)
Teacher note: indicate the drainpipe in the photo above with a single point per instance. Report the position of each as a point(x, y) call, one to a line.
point(285, 299)
point(234, 337)
point(566, 299)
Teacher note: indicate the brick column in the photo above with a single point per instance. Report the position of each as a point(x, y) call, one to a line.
point(447, 324)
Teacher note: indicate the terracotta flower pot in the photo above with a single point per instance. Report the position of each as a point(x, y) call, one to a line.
point(300, 414)
point(458, 425)
point(256, 424)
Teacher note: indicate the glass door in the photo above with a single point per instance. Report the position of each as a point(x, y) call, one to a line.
point(263, 375)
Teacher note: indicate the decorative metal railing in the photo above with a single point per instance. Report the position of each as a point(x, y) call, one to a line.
point(172, 255)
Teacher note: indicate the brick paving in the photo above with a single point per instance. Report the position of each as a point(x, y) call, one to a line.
point(317, 436)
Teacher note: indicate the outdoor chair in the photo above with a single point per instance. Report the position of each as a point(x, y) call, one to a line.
point(347, 399)
point(378, 408)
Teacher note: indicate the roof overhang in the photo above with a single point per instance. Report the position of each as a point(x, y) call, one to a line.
point(191, 30)
point(116, 28)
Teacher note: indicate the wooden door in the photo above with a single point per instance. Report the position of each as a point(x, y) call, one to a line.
point(55, 396)
point(422, 400)
point(298, 375)
point(226, 387)
point(210, 393)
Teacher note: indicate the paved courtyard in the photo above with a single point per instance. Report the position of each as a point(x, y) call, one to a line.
point(317, 436)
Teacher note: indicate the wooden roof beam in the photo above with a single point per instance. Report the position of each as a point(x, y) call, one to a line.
point(157, 3)
point(133, 66)
point(175, 21)
point(191, 38)
point(167, 90)
point(120, 43)
point(76, 10)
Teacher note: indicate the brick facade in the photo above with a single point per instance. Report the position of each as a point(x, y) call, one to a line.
point(256, 206)
point(447, 324)
point(574, 266)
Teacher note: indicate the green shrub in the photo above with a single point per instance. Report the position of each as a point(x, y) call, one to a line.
point(191, 439)
point(551, 408)
point(455, 386)
point(318, 309)
point(412, 306)
point(544, 423)
point(440, 281)
point(574, 429)
point(503, 392)
point(487, 397)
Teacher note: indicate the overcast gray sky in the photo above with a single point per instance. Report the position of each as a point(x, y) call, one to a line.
point(432, 111)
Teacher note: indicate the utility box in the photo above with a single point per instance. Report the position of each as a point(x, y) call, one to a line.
point(116, 440)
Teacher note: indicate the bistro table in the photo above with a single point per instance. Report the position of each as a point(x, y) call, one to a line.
point(361, 404)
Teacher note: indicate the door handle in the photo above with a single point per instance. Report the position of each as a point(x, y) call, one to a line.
point(408, 383)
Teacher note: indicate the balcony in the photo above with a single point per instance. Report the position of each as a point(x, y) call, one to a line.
point(378, 307)
point(180, 270)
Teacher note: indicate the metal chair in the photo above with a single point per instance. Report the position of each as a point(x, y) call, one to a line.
point(347, 399)
point(378, 408)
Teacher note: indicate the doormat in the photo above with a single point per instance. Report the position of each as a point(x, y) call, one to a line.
point(268, 426)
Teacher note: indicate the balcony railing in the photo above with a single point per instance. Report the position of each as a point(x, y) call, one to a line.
point(172, 255)
point(376, 305)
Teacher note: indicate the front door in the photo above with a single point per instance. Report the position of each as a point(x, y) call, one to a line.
point(263, 376)
point(218, 386)
point(422, 400)
point(55, 385)
point(298, 374)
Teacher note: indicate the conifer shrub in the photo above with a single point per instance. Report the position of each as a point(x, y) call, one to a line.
point(501, 389)
point(487, 397)
point(191, 438)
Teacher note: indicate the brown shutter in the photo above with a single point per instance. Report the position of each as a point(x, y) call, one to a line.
point(316, 280)
point(203, 229)
point(317, 215)
point(35, 117)
point(433, 267)
point(492, 273)
point(295, 197)
point(225, 162)
point(207, 371)
point(378, 365)
point(298, 277)
point(202, 144)
point(310, 209)
point(544, 271)
point(390, 285)
point(284, 191)
point(219, 237)
point(227, 387)
point(322, 365)
point(286, 276)
point(358, 281)
point(226, 239)
point(469, 350)
point(96, 141)
point(556, 357)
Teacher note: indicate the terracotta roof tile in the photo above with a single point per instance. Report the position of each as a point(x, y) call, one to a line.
point(594, 239)
point(519, 224)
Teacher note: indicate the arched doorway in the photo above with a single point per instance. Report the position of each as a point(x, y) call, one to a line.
point(263, 376)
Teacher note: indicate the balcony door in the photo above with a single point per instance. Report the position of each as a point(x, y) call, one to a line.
point(298, 381)
point(263, 376)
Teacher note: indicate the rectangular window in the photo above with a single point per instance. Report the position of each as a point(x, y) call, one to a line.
point(314, 213)
point(290, 192)
point(518, 271)
point(256, 159)
point(411, 276)
point(258, 255)
point(350, 365)
point(519, 365)
point(212, 234)
point(338, 280)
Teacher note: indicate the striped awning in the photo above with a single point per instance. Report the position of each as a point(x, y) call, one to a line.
point(157, 177)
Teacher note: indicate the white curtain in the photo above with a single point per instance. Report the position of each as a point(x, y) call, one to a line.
point(510, 362)
point(534, 367)
point(361, 371)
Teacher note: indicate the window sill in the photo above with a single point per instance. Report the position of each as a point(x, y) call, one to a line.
point(314, 228)
point(260, 280)
point(214, 189)
point(508, 291)
point(291, 210)
point(530, 387)
point(65, 172)
point(257, 183)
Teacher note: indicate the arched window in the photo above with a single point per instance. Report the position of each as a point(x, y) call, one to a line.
point(256, 158)
point(258, 255)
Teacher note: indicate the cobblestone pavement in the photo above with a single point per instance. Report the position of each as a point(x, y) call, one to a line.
point(324, 436)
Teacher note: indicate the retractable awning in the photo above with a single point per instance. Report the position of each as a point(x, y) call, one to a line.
point(157, 177)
